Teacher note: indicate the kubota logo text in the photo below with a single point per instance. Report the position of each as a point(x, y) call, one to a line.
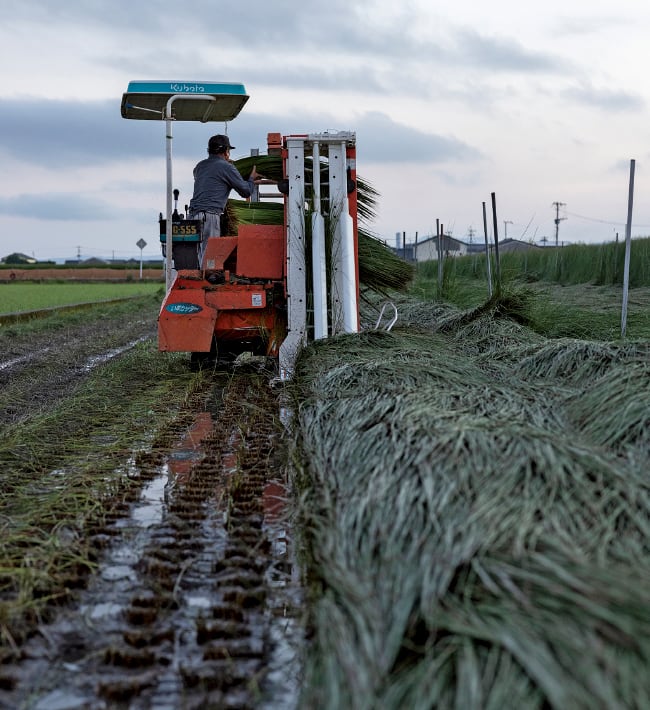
point(187, 88)
point(183, 309)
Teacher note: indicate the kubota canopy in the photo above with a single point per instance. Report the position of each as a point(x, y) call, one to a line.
point(147, 100)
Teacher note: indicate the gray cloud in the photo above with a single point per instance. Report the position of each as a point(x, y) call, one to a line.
point(578, 26)
point(199, 19)
point(380, 139)
point(504, 54)
point(56, 207)
point(605, 99)
point(57, 134)
point(66, 133)
point(295, 47)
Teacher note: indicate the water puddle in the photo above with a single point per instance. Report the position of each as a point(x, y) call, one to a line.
point(149, 510)
point(22, 358)
point(198, 589)
point(285, 603)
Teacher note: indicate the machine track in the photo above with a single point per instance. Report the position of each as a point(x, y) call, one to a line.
point(195, 600)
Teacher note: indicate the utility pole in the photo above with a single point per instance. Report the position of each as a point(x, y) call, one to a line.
point(506, 222)
point(470, 233)
point(558, 219)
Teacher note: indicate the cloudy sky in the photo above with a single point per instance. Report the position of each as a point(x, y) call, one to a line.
point(538, 102)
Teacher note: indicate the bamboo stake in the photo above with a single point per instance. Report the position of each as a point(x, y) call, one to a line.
point(487, 254)
point(496, 243)
point(628, 238)
point(439, 235)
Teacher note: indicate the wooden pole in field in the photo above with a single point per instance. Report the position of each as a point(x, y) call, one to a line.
point(488, 258)
point(496, 243)
point(628, 240)
point(439, 255)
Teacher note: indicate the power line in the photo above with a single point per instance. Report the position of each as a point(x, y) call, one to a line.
point(604, 221)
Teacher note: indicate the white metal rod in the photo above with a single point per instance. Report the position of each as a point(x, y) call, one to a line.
point(168, 152)
point(295, 265)
point(168, 223)
point(348, 268)
point(319, 271)
point(348, 262)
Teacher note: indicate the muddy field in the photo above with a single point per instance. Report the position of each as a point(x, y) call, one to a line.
point(193, 593)
point(450, 517)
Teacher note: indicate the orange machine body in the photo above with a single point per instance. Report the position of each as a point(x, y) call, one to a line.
point(238, 298)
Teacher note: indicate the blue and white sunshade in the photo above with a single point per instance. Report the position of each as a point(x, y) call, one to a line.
point(181, 101)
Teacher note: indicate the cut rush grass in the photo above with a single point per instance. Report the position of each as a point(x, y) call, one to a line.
point(64, 470)
point(476, 507)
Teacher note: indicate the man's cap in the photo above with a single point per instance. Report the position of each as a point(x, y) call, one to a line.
point(219, 142)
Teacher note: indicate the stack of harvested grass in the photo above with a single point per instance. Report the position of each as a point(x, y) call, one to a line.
point(248, 212)
point(379, 268)
point(476, 539)
point(270, 166)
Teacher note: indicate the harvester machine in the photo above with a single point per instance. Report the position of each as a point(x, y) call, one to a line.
point(260, 288)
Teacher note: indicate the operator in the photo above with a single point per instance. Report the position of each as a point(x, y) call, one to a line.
point(214, 178)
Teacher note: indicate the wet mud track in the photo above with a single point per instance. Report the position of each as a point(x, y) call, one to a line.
point(196, 596)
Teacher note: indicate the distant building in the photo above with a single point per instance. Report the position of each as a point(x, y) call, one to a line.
point(17, 258)
point(427, 249)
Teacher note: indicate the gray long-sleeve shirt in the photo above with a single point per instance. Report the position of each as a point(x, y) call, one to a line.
point(214, 178)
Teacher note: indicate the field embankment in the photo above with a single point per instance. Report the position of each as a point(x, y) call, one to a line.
point(79, 274)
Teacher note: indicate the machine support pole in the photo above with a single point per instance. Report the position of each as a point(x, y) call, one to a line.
point(168, 151)
point(168, 222)
point(319, 271)
point(348, 261)
point(344, 280)
point(295, 265)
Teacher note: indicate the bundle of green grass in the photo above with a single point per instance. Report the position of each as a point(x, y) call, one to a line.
point(478, 527)
point(379, 268)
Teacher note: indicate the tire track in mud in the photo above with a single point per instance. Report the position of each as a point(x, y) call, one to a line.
point(38, 369)
point(195, 602)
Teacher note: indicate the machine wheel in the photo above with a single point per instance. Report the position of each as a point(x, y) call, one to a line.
point(201, 361)
point(220, 356)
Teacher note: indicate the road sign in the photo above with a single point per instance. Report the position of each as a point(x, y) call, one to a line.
point(141, 244)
